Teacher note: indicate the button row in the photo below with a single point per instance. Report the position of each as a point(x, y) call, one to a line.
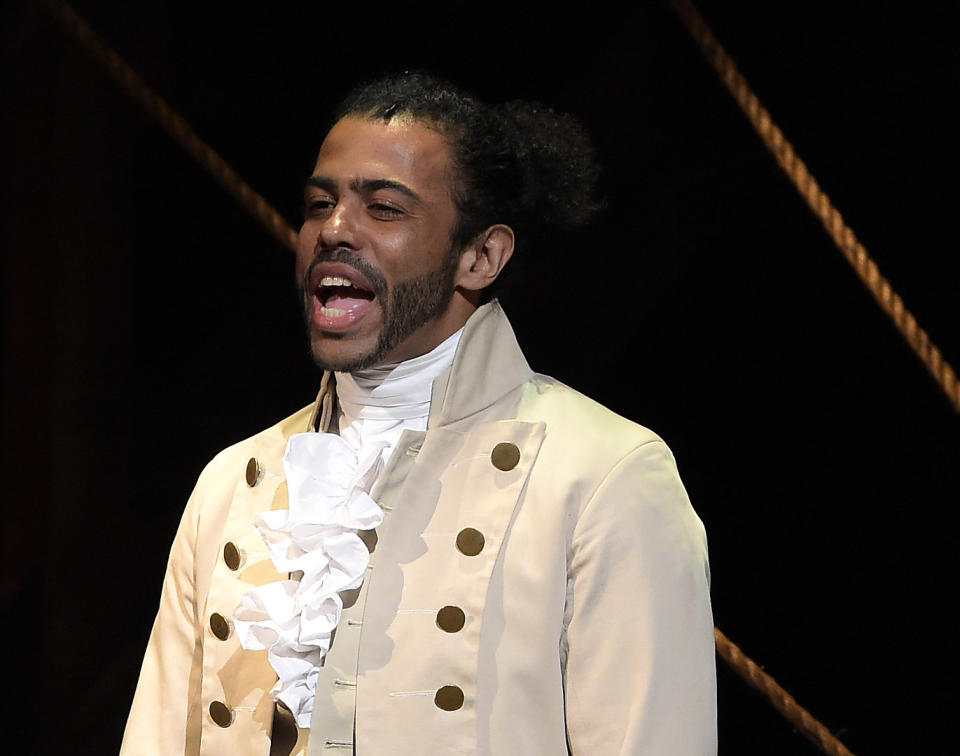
point(447, 698)
point(470, 542)
point(220, 713)
point(505, 456)
point(451, 619)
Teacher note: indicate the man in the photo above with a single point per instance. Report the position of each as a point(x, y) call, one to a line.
point(449, 553)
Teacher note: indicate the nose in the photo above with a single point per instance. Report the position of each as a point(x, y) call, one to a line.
point(338, 228)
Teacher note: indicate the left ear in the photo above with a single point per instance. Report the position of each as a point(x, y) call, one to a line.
point(483, 258)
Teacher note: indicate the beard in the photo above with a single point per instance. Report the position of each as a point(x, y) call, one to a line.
point(406, 307)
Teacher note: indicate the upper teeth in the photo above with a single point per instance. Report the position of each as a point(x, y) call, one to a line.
point(334, 281)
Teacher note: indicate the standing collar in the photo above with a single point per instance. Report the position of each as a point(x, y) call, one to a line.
point(487, 365)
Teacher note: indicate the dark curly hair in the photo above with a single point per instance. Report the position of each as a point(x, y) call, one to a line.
point(519, 163)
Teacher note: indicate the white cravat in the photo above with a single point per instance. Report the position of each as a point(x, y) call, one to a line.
point(329, 478)
point(377, 404)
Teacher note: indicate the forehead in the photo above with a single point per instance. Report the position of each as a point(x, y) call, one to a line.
point(399, 149)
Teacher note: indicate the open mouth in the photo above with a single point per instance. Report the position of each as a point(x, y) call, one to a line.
point(339, 296)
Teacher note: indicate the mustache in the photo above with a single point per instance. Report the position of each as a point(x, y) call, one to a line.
point(347, 256)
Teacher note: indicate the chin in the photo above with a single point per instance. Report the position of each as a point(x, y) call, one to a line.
point(340, 357)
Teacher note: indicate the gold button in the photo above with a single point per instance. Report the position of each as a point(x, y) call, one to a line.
point(449, 698)
point(220, 713)
point(451, 619)
point(219, 626)
point(505, 456)
point(254, 472)
point(470, 541)
point(231, 555)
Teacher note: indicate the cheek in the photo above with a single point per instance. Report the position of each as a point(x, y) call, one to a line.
point(406, 255)
point(396, 252)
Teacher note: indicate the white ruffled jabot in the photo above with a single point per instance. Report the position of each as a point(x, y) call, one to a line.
point(329, 478)
point(327, 484)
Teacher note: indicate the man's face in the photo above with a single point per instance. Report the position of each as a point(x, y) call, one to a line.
point(374, 255)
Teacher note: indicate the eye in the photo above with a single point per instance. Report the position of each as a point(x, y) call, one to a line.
point(314, 206)
point(383, 211)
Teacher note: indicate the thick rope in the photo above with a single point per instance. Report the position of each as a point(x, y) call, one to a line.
point(178, 128)
point(782, 701)
point(819, 202)
point(175, 125)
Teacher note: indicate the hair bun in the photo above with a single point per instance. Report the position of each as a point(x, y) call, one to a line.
point(556, 156)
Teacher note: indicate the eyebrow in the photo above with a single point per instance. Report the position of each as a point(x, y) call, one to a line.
point(321, 182)
point(362, 185)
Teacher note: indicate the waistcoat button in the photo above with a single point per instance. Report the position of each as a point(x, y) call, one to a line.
point(220, 713)
point(451, 619)
point(231, 556)
point(470, 541)
point(505, 456)
point(254, 472)
point(219, 626)
point(449, 698)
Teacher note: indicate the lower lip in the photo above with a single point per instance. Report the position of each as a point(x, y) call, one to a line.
point(324, 320)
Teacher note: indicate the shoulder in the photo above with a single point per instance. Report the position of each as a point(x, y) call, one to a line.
point(622, 472)
point(579, 421)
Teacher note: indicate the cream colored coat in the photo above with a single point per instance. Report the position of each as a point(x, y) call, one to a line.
point(588, 621)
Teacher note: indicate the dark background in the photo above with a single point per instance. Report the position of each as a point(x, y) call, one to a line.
point(148, 321)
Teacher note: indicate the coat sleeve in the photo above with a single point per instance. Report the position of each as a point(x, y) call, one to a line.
point(164, 718)
point(640, 666)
